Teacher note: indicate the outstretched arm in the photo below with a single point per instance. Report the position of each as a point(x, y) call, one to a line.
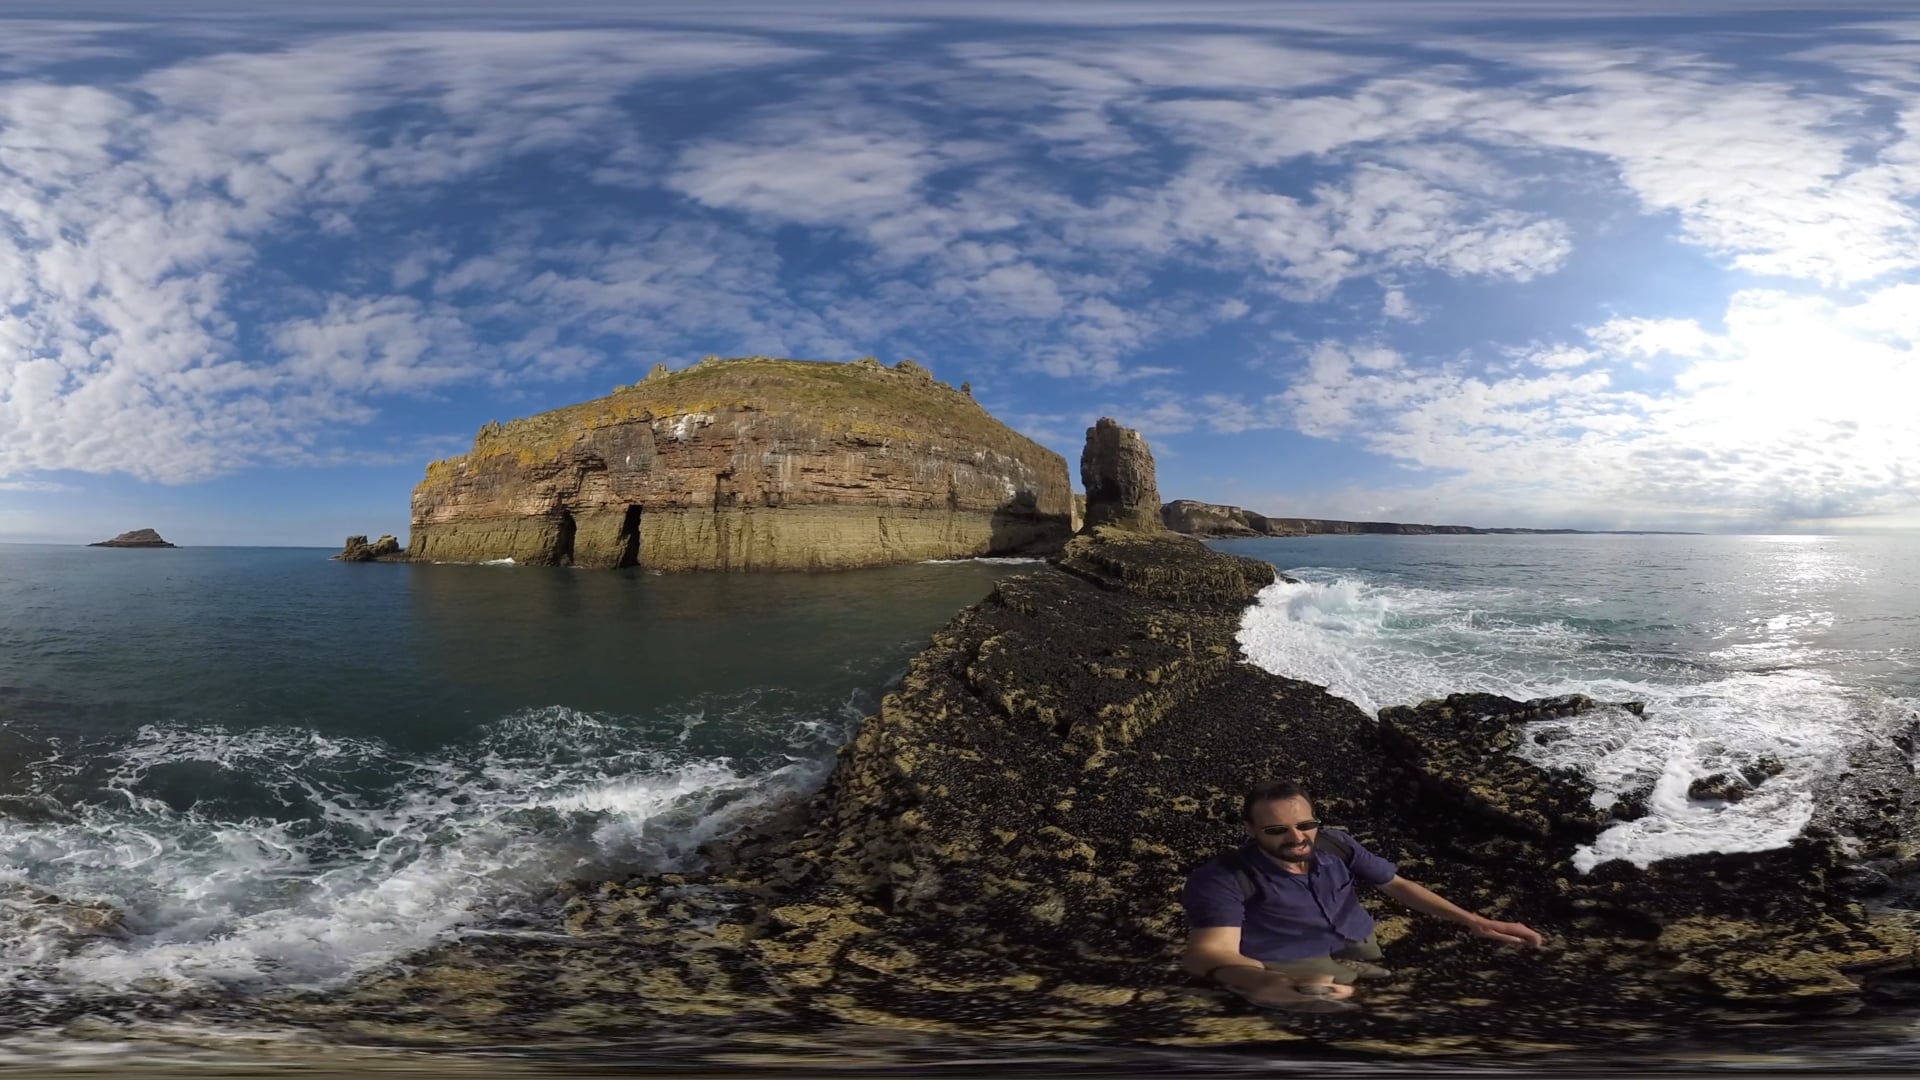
point(1425, 900)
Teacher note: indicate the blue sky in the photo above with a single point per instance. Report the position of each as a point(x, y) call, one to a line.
point(1466, 262)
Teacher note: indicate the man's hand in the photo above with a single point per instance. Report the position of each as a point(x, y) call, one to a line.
point(1270, 988)
point(1509, 933)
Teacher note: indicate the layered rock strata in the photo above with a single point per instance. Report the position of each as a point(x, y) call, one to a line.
point(137, 538)
point(751, 464)
point(998, 854)
point(1116, 468)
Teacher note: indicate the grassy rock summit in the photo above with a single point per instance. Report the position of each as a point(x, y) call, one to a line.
point(997, 857)
point(749, 464)
point(138, 538)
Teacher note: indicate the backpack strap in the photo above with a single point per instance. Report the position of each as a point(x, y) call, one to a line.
point(1329, 841)
point(1336, 841)
point(1249, 881)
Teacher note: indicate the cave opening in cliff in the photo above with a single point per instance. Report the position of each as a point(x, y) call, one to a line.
point(563, 540)
point(630, 538)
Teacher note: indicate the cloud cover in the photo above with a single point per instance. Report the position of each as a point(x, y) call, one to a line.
point(235, 250)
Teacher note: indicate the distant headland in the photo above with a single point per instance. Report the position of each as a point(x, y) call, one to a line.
point(138, 538)
point(1216, 520)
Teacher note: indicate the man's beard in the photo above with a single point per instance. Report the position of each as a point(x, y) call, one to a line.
point(1281, 851)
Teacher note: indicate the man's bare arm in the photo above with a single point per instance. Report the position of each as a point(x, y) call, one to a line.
point(1425, 900)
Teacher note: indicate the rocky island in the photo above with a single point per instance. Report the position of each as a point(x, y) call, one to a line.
point(385, 549)
point(997, 856)
point(749, 464)
point(138, 538)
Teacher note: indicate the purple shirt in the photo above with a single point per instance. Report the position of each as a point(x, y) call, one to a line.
point(1291, 916)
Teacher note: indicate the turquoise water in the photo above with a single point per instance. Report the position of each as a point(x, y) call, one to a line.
point(282, 770)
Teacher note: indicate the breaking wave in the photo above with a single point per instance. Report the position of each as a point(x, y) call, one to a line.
point(1380, 643)
point(283, 858)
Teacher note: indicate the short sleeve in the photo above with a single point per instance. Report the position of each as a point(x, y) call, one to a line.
point(1368, 867)
point(1213, 898)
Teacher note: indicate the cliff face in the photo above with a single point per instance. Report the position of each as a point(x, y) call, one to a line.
point(753, 464)
point(1209, 519)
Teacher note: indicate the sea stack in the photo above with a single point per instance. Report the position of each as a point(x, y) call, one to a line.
point(385, 549)
point(749, 464)
point(1116, 468)
point(138, 538)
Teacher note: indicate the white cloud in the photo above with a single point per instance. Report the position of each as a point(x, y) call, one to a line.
point(132, 210)
point(1114, 67)
point(1753, 429)
point(1641, 338)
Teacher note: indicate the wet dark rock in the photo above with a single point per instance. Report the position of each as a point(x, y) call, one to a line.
point(66, 923)
point(1761, 770)
point(1717, 786)
point(1460, 751)
point(385, 549)
point(1629, 808)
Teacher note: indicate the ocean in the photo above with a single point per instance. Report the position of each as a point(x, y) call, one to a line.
point(280, 770)
point(275, 770)
point(1741, 648)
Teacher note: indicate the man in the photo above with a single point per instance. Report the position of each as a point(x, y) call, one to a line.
point(1278, 922)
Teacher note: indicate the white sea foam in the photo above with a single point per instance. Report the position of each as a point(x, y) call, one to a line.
point(373, 853)
point(1384, 644)
point(991, 560)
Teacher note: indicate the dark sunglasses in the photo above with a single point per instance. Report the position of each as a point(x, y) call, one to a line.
point(1282, 830)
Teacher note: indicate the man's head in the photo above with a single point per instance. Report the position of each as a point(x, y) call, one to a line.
point(1280, 820)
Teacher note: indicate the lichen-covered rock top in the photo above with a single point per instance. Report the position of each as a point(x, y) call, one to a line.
point(755, 463)
point(998, 855)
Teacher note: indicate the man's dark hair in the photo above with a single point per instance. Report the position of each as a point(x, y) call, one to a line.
point(1269, 792)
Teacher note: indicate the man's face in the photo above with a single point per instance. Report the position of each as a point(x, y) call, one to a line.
point(1286, 843)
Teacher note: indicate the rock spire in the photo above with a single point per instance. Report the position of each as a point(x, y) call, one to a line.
point(1116, 468)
